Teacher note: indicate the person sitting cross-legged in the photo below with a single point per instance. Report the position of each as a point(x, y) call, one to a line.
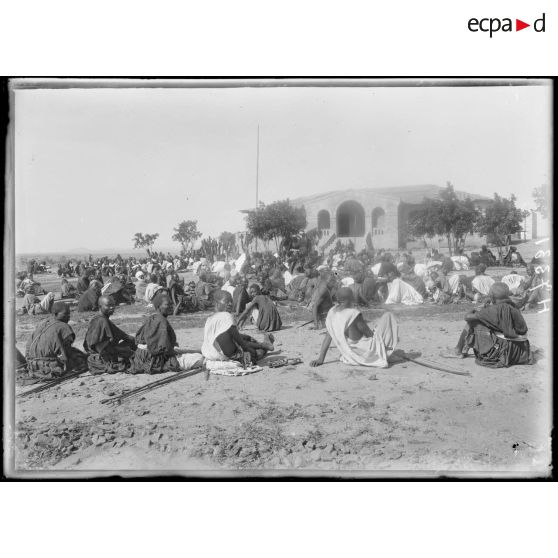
point(109, 348)
point(357, 343)
point(49, 352)
point(263, 310)
point(222, 341)
point(496, 333)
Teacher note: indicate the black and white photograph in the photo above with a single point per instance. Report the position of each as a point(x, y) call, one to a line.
point(278, 278)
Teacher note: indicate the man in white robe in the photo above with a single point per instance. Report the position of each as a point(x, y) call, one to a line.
point(514, 281)
point(481, 283)
point(357, 343)
point(400, 292)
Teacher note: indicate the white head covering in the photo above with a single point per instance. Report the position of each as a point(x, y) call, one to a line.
point(140, 275)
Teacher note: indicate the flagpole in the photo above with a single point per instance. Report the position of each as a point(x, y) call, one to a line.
point(257, 174)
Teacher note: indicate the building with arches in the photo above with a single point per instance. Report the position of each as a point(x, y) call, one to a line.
point(371, 216)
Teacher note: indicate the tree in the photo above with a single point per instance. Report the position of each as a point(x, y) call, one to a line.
point(146, 241)
point(500, 220)
point(227, 242)
point(445, 216)
point(278, 220)
point(542, 202)
point(186, 234)
point(209, 247)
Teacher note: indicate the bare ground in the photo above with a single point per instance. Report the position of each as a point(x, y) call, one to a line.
point(335, 419)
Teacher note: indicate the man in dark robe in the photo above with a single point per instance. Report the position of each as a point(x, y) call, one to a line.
point(496, 333)
point(89, 300)
point(109, 348)
point(49, 352)
point(263, 310)
point(240, 295)
point(67, 290)
point(322, 300)
point(156, 341)
point(82, 284)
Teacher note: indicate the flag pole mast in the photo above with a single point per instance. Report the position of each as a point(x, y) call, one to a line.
point(257, 174)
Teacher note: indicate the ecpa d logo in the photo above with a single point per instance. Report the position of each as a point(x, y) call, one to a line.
point(492, 25)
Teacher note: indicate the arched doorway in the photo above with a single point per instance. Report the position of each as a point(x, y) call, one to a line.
point(350, 219)
point(324, 222)
point(378, 221)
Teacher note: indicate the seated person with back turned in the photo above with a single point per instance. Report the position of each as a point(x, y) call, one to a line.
point(49, 352)
point(496, 333)
point(109, 348)
point(89, 300)
point(357, 343)
point(222, 341)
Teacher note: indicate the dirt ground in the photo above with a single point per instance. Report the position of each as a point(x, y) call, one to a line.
point(332, 420)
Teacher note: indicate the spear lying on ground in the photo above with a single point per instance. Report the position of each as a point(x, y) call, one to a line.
point(51, 383)
point(435, 365)
point(152, 385)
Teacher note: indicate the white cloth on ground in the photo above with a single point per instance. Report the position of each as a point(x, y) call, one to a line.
point(230, 368)
point(400, 292)
point(215, 325)
point(368, 351)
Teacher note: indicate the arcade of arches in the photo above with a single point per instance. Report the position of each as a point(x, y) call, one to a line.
point(351, 220)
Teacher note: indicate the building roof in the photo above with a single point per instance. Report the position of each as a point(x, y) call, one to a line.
point(405, 194)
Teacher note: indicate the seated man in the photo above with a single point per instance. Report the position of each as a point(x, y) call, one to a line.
point(89, 300)
point(157, 350)
point(411, 278)
point(400, 292)
point(49, 352)
point(263, 310)
point(67, 289)
point(141, 286)
point(514, 281)
point(486, 256)
point(204, 290)
point(496, 333)
point(357, 343)
point(322, 299)
point(513, 258)
point(461, 261)
point(240, 295)
point(109, 348)
point(481, 284)
point(152, 287)
point(222, 341)
point(33, 305)
point(83, 283)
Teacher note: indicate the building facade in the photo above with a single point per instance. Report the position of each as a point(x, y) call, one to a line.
point(376, 217)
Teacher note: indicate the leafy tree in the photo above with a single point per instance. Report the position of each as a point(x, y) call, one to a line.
point(186, 234)
point(446, 216)
point(278, 221)
point(227, 242)
point(542, 203)
point(146, 241)
point(500, 220)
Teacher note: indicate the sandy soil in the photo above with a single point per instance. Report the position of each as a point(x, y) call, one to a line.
point(335, 419)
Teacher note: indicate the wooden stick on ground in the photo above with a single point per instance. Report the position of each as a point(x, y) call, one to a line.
point(435, 366)
point(50, 383)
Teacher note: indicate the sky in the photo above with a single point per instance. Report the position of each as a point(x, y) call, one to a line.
point(95, 166)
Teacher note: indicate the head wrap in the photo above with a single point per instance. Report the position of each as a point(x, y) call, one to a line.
point(140, 276)
point(59, 306)
point(499, 291)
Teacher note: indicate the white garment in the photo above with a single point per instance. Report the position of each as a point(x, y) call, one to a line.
point(288, 277)
point(400, 292)
point(190, 360)
point(217, 267)
point(513, 281)
point(420, 270)
point(215, 326)
point(368, 351)
point(150, 291)
point(239, 262)
point(454, 283)
point(482, 283)
point(460, 263)
point(196, 266)
point(228, 288)
point(376, 269)
point(346, 281)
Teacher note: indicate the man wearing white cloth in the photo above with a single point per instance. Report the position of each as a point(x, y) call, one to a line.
point(222, 341)
point(400, 292)
point(357, 343)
